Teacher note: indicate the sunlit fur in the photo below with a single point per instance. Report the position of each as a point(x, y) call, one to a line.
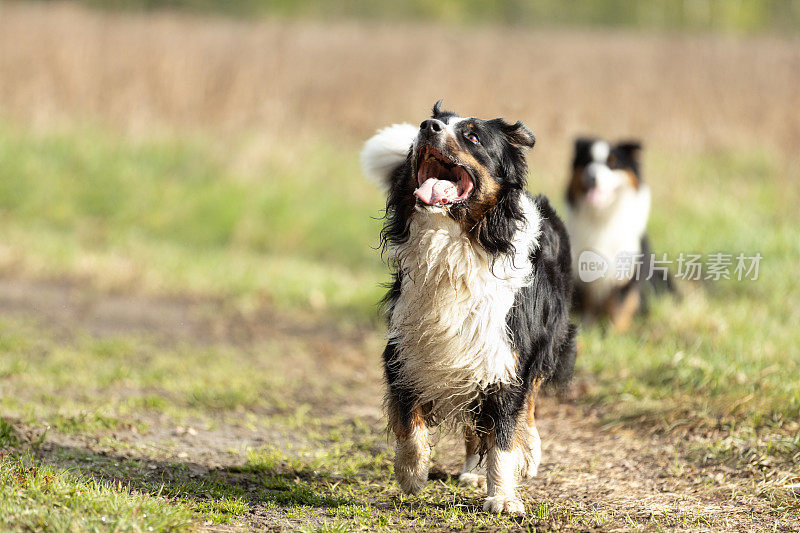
point(381, 152)
point(501, 473)
point(412, 459)
point(478, 309)
point(448, 322)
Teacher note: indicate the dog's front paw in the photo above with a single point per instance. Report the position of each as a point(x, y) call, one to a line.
point(504, 504)
point(471, 479)
point(412, 481)
point(411, 463)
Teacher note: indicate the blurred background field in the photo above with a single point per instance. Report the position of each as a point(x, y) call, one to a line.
point(201, 149)
point(738, 15)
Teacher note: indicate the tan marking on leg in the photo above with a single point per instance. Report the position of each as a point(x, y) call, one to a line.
point(412, 453)
point(622, 313)
point(529, 465)
point(534, 392)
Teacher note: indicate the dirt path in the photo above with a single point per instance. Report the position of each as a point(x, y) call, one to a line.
point(591, 477)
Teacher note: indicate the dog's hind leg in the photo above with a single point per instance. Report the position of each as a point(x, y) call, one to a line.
point(623, 308)
point(473, 473)
point(529, 462)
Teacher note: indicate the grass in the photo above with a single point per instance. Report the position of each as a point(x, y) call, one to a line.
point(713, 363)
point(769, 460)
point(65, 501)
point(84, 401)
point(42, 498)
point(717, 356)
point(250, 416)
point(103, 205)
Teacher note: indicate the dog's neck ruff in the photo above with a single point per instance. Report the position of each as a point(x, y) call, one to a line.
point(449, 321)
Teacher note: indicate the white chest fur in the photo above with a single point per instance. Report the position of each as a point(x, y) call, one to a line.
point(613, 233)
point(449, 322)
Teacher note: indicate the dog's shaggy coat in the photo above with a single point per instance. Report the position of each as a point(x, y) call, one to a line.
point(478, 310)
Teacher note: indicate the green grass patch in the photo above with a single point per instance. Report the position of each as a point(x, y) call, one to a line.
point(86, 401)
point(84, 422)
point(293, 226)
point(297, 225)
point(8, 435)
point(770, 461)
point(36, 497)
point(720, 355)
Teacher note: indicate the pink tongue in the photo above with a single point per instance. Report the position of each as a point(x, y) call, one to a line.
point(597, 197)
point(437, 192)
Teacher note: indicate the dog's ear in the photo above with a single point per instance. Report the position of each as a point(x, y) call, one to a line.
point(518, 135)
point(632, 148)
point(583, 144)
point(438, 111)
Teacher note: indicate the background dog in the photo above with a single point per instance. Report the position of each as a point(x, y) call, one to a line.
point(608, 206)
point(478, 311)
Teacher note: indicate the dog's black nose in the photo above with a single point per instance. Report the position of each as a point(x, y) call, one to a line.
point(432, 125)
point(588, 180)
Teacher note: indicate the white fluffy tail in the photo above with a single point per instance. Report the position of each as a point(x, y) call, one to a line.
point(385, 151)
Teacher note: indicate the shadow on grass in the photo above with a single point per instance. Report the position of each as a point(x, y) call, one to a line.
point(219, 494)
point(272, 486)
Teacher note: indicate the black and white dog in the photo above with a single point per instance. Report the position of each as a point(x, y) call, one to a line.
point(608, 204)
point(478, 311)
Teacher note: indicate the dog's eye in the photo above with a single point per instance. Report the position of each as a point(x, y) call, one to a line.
point(471, 137)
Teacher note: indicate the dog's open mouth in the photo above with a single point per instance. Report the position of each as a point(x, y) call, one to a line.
point(441, 181)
